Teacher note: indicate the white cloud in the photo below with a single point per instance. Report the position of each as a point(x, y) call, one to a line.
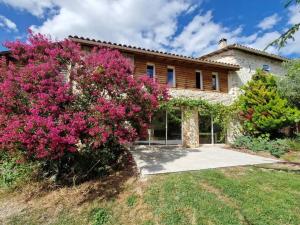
point(292, 46)
point(145, 23)
point(151, 24)
point(262, 41)
point(201, 35)
point(269, 22)
point(294, 14)
point(35, 7)
point(7, 24)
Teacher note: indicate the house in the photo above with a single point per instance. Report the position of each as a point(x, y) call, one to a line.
point(215, 77)
point(249, 59)
point(185, 77)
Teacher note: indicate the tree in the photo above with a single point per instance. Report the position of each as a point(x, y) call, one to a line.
point(262, 109)
point(289, 85)
point(289, 34)
point(47, 115)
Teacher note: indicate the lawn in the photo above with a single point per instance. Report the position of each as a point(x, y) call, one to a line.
point(240, 195)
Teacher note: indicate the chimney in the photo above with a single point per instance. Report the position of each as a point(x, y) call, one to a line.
point(222, 43)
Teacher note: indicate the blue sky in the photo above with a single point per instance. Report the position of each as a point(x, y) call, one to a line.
point(186, 27)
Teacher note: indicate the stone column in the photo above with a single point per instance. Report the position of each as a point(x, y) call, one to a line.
point(190, 129)
point(233, 130)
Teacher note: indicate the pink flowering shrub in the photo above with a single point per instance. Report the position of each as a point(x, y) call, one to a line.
point(56, 100)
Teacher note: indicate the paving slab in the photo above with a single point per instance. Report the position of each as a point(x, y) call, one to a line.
point(168, 159)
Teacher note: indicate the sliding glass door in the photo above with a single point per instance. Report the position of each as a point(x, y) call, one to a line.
point(164, 130)
point(210, 132)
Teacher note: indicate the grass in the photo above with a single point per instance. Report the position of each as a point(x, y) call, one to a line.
point(241, 195)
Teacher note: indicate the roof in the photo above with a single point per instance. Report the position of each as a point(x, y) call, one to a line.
point(5, 53)
point(246, 49)
point(134, 49)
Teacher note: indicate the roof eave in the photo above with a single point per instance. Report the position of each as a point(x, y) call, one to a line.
point(155, 53)
point(229, 47)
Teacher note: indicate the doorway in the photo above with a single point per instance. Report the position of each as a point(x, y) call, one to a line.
point(165, 129)
point(210, 132)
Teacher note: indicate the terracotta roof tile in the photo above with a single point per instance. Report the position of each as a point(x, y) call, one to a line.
point(149, 51)
point(246, 49)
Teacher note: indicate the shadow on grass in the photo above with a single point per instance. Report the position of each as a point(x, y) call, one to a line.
point(99, 188)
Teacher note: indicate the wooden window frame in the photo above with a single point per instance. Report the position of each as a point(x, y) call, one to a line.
point(174, 75)
point(154, 72)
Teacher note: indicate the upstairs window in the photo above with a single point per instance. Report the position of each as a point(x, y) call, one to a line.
point(266, 68)
point(150, 71)
point(199, 80)
point(171, 77)
point(215, 81)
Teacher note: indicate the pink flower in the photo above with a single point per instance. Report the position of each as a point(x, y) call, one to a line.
point(42, 114)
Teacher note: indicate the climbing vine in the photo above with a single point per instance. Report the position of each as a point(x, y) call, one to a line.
point(221, 114)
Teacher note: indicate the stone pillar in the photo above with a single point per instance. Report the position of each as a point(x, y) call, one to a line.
point(190, 129)
point(233, 130)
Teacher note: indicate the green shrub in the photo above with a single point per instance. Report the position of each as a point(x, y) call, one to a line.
point(261, 108)
point(13, 171)
point(276, 147)
point(294, 144)
point(100, 216)
point(131, 200)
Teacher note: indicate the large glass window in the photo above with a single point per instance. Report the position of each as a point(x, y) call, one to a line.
point(158, 128)
point(150, 71)
point(199, 81)
point(171, 77)
point(174, 128)
point(210, 133)
point(164, 129)
point(205, 129)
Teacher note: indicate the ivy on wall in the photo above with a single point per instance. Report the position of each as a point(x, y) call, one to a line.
point(221, 114)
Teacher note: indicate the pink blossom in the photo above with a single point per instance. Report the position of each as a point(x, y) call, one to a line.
point(41, 114)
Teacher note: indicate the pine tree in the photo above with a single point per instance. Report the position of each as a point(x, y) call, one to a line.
point(262, 109)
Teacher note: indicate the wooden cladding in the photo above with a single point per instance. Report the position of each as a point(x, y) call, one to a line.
point(185, 74)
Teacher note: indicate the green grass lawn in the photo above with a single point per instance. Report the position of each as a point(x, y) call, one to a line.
point(241, 195)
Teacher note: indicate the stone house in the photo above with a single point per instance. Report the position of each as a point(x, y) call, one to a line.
point(185, 77)
point(215, 77)
point(249, 59)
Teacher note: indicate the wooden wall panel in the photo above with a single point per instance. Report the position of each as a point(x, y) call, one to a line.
point(185, 74)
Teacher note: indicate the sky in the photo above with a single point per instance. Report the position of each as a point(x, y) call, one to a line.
point(187, 27)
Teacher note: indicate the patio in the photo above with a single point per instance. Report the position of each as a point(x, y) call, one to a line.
point(167, 159)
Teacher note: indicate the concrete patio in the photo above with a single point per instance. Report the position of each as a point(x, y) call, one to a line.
point(168, 159)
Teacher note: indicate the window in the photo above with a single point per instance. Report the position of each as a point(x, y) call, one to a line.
point(266, 68)
point(150, 70)
point(171, 77)
point(215, 81)
point(199, 80)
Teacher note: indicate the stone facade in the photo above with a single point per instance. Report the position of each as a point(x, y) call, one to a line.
point(211, 96)
point(190, 129)
point(190, 122)
point(248, 62)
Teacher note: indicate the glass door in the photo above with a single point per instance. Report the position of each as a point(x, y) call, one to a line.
point(205, 136)
point(210, 132)
point(174, 129)
point(164, 130)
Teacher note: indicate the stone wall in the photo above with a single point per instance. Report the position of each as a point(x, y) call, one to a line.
point(190, 122)
point(248, 63)
point(190, 129)
point(211, 96)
